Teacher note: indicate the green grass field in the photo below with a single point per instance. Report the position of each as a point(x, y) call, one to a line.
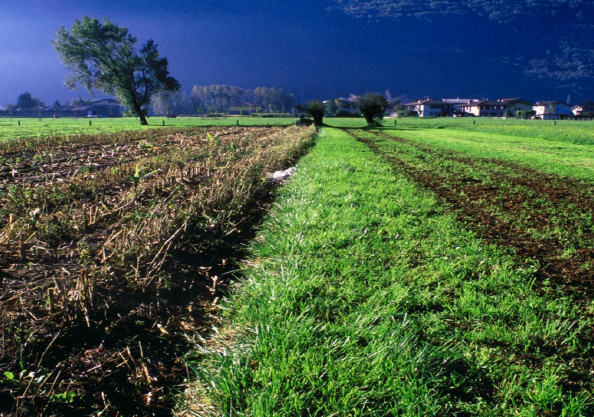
point(437, 267)
point(9, 129)
point(418, 273)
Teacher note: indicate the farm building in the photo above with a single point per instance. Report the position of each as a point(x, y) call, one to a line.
point(552, 110)
point(244, 108)
point(430, 108)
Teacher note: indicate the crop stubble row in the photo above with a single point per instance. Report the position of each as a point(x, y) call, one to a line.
point(69, 252)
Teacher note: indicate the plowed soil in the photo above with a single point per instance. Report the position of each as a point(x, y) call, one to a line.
point(474, 204)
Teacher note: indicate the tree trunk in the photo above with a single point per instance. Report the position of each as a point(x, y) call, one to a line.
point(318, 118)
point(369, 118)
point(141, 116)
point(143, 121)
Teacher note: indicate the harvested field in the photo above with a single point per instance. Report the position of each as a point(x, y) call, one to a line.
point(112, 247)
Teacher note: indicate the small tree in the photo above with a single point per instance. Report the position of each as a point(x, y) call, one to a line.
point(372, 107)
point(103, 56)
point(316, 110)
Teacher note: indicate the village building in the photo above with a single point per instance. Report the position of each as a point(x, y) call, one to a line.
point(552, 110)
point(349, 106)
point(244, 108)
point(486, 108)
point(517, 104)
point(430, 108)
point(459, 104)
point(99, 108)
point(586, 108)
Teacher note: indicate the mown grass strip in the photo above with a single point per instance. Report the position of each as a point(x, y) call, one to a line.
point(560, 156)
point(365, 298)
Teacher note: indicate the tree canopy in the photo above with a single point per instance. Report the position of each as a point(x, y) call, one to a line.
point(103, 56)
point(27, 101)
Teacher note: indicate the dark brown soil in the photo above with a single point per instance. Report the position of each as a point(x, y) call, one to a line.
point(467, 198)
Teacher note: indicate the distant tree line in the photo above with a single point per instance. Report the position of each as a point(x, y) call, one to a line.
point(27, 101)
point(217, 99)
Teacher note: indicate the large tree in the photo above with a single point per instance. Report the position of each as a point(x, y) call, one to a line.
point(372, 107)
point(103, 56)
point(316, 110)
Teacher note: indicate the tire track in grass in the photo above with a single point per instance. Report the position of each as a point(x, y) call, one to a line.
point(558, 189)
point(556, 202)
point(567, 274)
point(463, 197)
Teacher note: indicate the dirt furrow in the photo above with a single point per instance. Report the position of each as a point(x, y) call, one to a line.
point(467, 199)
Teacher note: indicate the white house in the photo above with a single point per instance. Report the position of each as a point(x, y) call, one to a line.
point(551, 110)
point(581, 109)
point(459, 105)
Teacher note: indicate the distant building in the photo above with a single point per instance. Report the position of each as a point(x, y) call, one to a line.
point(551, 110)
point(244, 108)
point(517, 104)
point(486, 108)
point(99, 108)
point(430, 108)
point(348, 106)
point(459, 104)
point(586, 108)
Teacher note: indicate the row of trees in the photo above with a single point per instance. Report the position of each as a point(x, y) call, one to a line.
point(218, 98)
point(372, 106)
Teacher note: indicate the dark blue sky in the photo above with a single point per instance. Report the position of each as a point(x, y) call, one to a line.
point(324, 48)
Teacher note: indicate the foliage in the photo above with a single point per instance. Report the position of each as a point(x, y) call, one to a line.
point(372, 107)
point(407, 113)
point(26, 101)
point(331, 108)
point(103, 56)
point(217, 98)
